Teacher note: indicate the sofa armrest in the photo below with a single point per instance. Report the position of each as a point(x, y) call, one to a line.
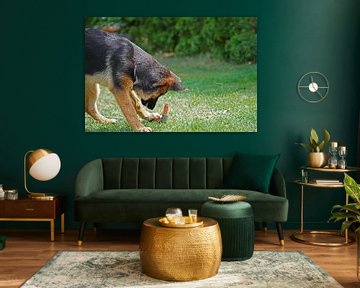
point(277, 184)
point(89, 179)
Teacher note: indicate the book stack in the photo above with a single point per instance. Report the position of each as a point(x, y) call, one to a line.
point(327, 181)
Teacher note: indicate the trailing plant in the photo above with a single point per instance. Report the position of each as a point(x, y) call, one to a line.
point(349, 214)
point(314, 144)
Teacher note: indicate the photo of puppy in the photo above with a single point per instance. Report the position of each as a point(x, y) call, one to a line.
point(133, 76)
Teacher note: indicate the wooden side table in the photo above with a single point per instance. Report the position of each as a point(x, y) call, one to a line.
point(27, 209)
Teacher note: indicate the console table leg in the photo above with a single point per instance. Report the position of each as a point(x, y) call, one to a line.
point(63, 223)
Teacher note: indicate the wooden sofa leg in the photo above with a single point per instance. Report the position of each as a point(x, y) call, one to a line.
point(280, 233)
point(265, 227)
point(81, 233)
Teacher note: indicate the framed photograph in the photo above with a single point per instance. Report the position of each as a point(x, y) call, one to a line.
point(170, 74)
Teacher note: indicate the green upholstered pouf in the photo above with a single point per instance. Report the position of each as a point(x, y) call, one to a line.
point(236, 221)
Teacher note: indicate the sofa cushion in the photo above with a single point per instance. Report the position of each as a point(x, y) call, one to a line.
point(266, 207)
point(251, 172)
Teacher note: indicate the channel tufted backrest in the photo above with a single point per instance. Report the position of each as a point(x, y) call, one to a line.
point(164, 173)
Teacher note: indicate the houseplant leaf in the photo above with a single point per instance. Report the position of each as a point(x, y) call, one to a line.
point(321, 146)
point(352, 188)
point(350, 213)
point(307, 146)
point(313, 144)
point(326, 136)
point(314, 136)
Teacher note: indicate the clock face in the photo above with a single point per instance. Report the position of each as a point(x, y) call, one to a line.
point(313, 87)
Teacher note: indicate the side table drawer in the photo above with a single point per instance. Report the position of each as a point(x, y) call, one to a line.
point(31, 209)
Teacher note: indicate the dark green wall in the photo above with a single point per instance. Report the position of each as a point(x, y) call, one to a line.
point(42, 88)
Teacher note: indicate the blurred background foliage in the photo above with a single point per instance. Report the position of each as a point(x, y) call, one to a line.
point(233, 39)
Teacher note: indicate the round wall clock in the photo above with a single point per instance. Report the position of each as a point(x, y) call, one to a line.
point(313, 87)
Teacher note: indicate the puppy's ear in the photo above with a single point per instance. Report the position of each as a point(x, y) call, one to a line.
point(176, 84)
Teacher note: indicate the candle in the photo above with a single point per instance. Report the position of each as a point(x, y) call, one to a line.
point(333, 144)
point(342, 149)
point(342, 154)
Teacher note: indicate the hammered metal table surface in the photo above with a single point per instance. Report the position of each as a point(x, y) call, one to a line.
point(180, 254)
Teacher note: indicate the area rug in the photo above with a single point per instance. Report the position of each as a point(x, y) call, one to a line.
point(80, 269)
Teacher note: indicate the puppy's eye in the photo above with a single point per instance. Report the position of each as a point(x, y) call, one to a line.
point(159, 87)
point(156, 86)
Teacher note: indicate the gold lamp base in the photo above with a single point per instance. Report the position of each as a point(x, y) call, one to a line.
point(41, 196)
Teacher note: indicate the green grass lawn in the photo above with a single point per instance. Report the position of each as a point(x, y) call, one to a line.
point(222, 97)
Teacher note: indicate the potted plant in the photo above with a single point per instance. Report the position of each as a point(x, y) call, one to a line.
point(317, 157)
point(350, 213)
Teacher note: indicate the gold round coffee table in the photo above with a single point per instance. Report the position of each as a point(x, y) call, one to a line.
point(180, 254)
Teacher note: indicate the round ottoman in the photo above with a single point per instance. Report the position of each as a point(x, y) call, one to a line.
point(236, 221)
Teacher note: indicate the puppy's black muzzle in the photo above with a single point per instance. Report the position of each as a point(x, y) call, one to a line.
point(149, 103)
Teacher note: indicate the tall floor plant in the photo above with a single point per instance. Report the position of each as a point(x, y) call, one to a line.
point(350, 213)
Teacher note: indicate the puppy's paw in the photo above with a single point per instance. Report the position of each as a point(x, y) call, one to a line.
point(101, 118)
point(154, 117)
point(105, 120)
point(109, 121)
point(145, 129)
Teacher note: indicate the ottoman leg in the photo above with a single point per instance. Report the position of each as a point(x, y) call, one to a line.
point(280, 233)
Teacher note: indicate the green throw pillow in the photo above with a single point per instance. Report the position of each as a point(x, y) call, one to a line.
point(251, 172)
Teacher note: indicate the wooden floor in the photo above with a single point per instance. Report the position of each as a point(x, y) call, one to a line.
point(28, 250)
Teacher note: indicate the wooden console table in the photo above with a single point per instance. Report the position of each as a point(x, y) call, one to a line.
point(27, 209)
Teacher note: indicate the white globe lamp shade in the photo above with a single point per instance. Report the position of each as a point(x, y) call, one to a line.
point(44, 164)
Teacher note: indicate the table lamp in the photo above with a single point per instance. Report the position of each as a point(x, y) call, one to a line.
point(43, 165)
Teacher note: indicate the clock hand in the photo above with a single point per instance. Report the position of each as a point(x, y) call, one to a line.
point(321, 96)
point(313, 87)
point(312, 84)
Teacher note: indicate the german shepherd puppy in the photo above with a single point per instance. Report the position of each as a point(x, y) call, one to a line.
point(133, 76)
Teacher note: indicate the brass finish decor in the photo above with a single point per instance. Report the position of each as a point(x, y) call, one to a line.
point(314, 184)
point(317, 159)
point(180, 254)
point(228, 198)
point(337, 170)
point(43, 165)
point(27, 209)
point(188, 224)
point(300, 236)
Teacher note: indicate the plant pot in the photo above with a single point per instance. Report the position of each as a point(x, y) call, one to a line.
point(317, 159)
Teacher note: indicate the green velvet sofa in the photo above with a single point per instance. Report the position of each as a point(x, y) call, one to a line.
point(131, 190)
